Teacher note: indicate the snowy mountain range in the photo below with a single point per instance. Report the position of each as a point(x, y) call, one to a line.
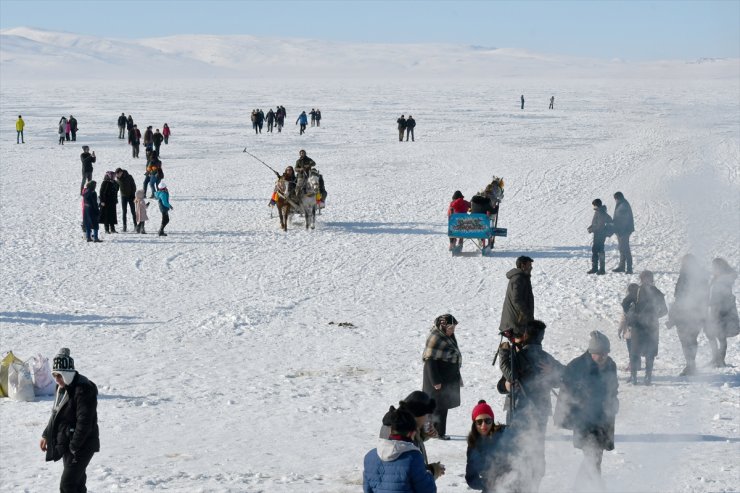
point(27, 53)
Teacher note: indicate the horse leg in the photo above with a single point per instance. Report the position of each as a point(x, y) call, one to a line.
point(313, 217)
point(308, 218)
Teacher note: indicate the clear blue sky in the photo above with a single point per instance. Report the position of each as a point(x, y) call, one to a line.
point(634, 30)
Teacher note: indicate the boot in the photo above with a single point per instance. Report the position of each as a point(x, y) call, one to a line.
point(124, 227)
point(633, 378)
point(162, 233)
point(602, 262)
point(689, 370)
point(113, 229)
point(648, 377)
point(619, 269)
point(107, 229)
point(143, 231)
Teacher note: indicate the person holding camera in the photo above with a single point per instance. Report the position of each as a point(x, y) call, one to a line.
point(529, 374)
point(87, 165)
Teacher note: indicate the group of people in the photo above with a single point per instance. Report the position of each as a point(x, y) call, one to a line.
point(511, 457)
point(67, 129)
point(102, 208)
point(406, 125)
point(276, 119)
point(703, 301)
point(603, 226)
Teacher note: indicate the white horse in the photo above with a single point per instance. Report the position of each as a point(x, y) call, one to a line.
point(307, 188)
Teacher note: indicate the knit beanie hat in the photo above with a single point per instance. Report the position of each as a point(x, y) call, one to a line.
point(599, 343)
point(402, 421)
point(482, 408)
point(64, 365)
point(162, 185)
point(418, 403)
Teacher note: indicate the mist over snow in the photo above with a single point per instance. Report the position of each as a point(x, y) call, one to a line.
point(27, 53)
point(233, 357)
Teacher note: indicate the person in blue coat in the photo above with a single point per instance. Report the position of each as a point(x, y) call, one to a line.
point(396, 465)
point(303, 120)
point(163, 197)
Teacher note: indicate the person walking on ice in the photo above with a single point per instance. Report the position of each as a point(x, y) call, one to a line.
point(19, 125)
point(552, 102)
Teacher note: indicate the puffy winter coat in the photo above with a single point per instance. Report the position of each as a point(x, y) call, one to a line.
point(157, 138)
point(122, 121)
point(90, 209)
point(73, 425)
point(599, 222)
point(401, 123)
point(396, 466)
point(163, 196)
point(532, 404)
point(148, 136)
point(73, 124)
point(482, 205)
point(140, 206)
point(166, 131)
point(487, 461)
point(127, 184)
point(410, 123)
point(624, 222)
point(302, 119)
point(134, 136)
point(587, 403)
point(459, 206)
point(518, 309)
point(19, 124)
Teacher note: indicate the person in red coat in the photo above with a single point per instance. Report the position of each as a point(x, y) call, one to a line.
point(458, 206)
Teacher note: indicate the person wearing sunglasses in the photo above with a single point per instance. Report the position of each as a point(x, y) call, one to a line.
point(486, 457)
point(588, 405)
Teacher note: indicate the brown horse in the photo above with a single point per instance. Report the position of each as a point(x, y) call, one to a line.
point(282, 202)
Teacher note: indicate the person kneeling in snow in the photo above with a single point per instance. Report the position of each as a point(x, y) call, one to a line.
point(397, 464)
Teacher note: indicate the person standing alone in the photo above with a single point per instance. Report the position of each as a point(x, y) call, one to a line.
point(72, 433)
point(19, 124)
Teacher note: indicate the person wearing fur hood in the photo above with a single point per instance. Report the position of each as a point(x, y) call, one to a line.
point(141, 204)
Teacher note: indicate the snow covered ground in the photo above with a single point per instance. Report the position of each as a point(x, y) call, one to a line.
point(233, 357)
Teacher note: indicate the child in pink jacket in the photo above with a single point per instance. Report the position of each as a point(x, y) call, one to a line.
point(141, 204)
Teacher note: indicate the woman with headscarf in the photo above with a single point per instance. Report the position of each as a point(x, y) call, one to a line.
point(442, 362)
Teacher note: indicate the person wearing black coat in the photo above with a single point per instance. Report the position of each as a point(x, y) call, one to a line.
point(529, 374)
point(401, 127)
point(270, 120)
point(72, 432)
point(410, 125)
point(134, 138)
point(588, 405)
point(87, 165)
point(73, 127)
point(518, 309)
point(600, 225)
point(108, 202)
point(624, 226)
point(649, 307)
point(90, 211)
point(157, 138)
point(127, 186)
point(121, 125)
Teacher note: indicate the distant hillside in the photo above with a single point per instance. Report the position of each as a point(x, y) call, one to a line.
point(27, 53)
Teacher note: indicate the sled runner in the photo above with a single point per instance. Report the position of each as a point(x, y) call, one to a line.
point(476, 227)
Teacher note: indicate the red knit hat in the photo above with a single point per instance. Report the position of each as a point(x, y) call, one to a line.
point(482, 408)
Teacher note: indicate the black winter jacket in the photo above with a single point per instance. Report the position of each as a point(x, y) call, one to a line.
point(587, 403)
point(518, 306)
point(87, 162)
point(624, 223)
point(127, 184)
point(73, 425)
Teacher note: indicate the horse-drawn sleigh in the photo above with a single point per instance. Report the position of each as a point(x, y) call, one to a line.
point(481, 224)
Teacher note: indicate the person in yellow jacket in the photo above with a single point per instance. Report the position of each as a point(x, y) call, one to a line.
point(19, 130)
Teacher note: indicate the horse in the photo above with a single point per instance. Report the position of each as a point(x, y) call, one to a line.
point(307, 189)
point(280, 197)
point(487, 202)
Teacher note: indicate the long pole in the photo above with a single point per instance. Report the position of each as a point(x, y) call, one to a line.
point(261, 161)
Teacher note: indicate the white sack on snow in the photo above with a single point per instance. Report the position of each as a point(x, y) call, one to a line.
point(20, 383)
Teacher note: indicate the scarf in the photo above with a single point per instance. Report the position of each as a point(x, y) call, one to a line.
point(442, 347)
